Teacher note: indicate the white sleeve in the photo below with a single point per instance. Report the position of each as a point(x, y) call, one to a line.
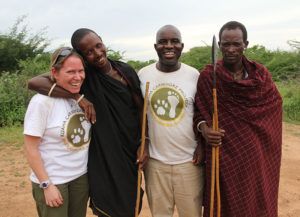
point(36, 116)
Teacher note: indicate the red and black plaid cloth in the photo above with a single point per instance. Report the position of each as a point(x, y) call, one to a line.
point(250, 111)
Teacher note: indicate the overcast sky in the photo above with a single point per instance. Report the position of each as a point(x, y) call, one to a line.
point(131, 25)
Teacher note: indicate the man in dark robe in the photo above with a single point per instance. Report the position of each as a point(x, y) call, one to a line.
point(250, 134)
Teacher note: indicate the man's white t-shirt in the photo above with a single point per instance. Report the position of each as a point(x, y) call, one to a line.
point(170, 112)
point(65, 136)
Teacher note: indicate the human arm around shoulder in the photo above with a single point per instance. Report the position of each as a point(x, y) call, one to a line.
point(44, 85)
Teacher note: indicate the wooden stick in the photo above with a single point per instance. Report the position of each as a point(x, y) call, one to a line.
point(215, 162)
point(218, 182)
point(212, 182)
point(138, 198)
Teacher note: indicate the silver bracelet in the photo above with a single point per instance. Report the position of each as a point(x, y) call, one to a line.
point(198, 126)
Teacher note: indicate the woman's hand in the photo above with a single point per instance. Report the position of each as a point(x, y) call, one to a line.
point(53, 196)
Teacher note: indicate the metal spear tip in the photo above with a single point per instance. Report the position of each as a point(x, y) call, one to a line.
point(214, 51)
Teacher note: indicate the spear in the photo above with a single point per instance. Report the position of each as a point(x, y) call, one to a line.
point(215, 170)
point(137, 206)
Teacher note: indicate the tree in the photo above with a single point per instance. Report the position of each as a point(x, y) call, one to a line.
point(197, 57)
point(137, 65)
point(18, 44)
point(294, 44)
point(115, 55)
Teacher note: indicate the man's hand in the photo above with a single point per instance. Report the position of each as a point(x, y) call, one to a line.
point(53, 196)
point(142, 160)
point(214, 138)
point(198, 157)
point(88, 109)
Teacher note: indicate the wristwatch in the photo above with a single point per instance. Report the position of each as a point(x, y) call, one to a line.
point(45, 184)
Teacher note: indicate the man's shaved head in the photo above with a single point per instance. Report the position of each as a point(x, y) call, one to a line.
point(167, 28)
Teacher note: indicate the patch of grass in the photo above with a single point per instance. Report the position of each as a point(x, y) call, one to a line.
point(12, 136)
point(18, 174)
point(23, 184)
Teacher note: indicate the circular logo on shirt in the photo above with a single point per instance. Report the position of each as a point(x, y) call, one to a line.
point(167, 105)
point(77, 132)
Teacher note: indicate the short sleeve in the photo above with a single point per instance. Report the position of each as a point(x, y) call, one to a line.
point(36, 116)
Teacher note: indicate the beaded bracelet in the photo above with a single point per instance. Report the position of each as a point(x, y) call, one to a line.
point(80, 98)
point(51, 89)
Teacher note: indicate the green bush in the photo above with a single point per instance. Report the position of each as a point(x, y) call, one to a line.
point(197, 57)
point(14, 95)
point(34, 66)
point(283, 65)
point(290, 92)
point(137, 65)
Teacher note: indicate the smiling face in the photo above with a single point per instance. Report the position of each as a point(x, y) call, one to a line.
point(93, 50)
point(168, 47)
point(232, 45)
point(70, 75)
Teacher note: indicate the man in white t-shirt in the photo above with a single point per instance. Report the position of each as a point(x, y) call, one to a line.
point(174, 175)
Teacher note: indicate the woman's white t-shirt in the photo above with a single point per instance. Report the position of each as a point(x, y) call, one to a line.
point(65, 136)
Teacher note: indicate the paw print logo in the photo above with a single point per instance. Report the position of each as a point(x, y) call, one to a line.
point(76, 136)
point(161, 106)
point(167, 104)
point(77, 131)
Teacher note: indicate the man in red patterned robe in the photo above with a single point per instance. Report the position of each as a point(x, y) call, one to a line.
point(250, 135)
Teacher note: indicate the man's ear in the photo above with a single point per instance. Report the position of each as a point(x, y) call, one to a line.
point(246, 44)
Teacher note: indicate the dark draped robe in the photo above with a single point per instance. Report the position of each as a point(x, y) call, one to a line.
point(112, 168)
point(250, 111)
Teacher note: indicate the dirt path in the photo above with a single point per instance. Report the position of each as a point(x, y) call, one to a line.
point(16, 199)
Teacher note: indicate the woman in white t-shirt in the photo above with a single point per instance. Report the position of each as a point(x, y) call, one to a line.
point(56, 139)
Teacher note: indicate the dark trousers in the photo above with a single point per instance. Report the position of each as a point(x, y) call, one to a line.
point(75, 196)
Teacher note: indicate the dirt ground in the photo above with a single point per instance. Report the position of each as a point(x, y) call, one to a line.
point(16, 199)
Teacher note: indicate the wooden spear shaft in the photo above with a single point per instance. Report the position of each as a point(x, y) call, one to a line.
point(217, 151)
point(138, 198)
point(215, 164)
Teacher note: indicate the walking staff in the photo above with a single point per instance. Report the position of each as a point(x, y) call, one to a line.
point(142, 149)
